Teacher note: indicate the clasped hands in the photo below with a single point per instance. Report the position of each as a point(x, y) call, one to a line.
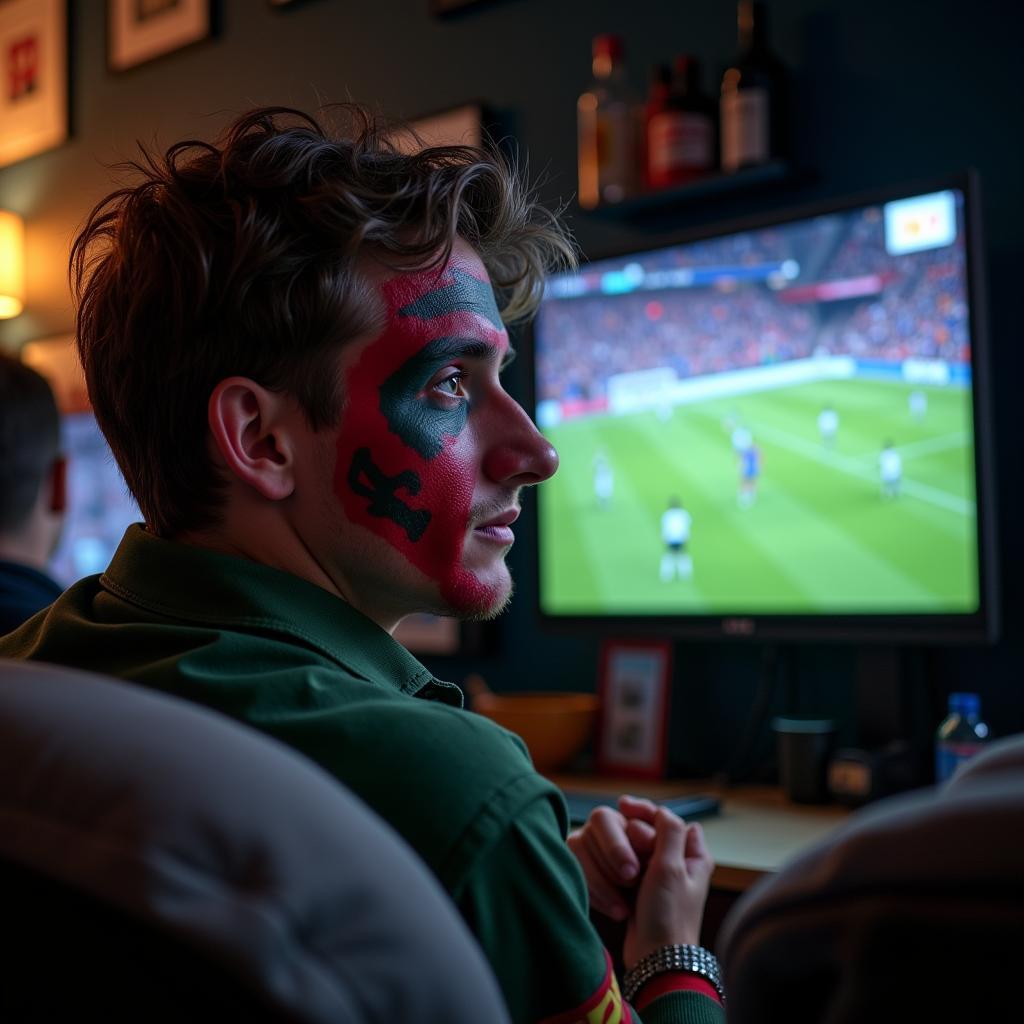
point(646, 866)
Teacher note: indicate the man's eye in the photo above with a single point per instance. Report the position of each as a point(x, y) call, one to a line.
point(454, 384)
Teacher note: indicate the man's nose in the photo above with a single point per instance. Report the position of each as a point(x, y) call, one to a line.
point(517, 453)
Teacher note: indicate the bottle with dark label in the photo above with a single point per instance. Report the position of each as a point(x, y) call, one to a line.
point(607, 123)
point(681, 136)
point(753, 97)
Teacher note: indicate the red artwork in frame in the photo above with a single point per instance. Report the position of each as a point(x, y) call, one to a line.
point(634, 689)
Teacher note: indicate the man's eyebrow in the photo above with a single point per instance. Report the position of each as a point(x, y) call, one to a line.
point(469, 348)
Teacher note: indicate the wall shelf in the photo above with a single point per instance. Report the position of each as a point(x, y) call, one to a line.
point(714, 186)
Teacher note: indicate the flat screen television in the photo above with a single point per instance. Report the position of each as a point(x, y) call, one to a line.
point(775, 428)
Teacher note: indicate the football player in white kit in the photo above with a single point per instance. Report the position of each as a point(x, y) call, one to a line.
point(828, 426)
point(918, 402)
point(675, 532)
point(890, 467)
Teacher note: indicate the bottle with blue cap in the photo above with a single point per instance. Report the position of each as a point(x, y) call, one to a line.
point(960, 736)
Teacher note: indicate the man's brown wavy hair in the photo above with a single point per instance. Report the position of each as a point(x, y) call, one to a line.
point(244, 257)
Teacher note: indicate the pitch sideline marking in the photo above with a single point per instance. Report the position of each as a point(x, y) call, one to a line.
point(854, 467)
point(929, 446)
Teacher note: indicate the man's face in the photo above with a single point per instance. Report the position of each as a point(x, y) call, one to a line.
point(431, 450)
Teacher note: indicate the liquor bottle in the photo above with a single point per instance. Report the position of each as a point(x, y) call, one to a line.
point(681, 136)
point(657, 98)
point(960, 736)
point(607, 126)
point(753, 97)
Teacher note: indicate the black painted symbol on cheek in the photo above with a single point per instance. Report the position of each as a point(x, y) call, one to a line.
point(367, 479)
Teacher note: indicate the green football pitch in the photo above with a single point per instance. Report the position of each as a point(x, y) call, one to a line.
point(819, 538)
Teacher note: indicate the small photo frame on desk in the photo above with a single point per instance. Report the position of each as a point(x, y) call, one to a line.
point(634, 689)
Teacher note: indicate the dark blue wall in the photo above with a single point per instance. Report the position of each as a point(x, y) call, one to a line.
point(885, 91)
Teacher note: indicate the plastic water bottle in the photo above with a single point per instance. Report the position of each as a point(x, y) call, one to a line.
point(960, 736)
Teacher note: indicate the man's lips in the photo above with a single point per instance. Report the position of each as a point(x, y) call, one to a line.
point(497, 528)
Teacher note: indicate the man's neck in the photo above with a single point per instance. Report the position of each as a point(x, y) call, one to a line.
point(22, 550)
point(19, 556)
point(281, 549)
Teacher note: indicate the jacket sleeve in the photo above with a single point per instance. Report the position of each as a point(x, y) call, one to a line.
point(526, 900)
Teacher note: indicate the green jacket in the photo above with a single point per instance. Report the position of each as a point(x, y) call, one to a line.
point(294, 661)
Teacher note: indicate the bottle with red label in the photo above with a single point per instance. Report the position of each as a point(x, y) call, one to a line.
point(681, 135)
point(606, 117)
point(753, 106)
point(961, 735)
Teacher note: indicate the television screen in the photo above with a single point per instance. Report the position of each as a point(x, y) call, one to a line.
point(774, 427)
point(100, 508)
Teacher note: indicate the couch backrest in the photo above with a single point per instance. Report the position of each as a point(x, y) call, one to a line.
point(912, 910)
point(160, 829)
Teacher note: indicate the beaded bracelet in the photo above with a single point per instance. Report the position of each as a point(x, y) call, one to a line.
point(691, 959)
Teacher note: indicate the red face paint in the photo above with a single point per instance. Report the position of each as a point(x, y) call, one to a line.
point(407, 466)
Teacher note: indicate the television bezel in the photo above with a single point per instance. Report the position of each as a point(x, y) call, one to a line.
point(979, 627)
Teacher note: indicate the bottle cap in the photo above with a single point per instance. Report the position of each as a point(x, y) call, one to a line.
point(686, 73)
point(964, 704)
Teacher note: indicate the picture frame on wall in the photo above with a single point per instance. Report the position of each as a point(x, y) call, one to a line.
point(139, 31)
point(34, 94)
point(634, 690)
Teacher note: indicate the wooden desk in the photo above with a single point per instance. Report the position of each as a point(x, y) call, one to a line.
point(756, 830)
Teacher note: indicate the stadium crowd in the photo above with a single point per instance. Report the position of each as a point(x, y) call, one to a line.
point(919, 312)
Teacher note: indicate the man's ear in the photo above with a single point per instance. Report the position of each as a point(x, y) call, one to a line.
point(251, 428)
point(58, 485)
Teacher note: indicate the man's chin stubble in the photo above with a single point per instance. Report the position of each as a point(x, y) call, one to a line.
point(482, 612)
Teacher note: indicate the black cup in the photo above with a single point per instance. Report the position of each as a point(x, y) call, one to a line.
point(804, 748)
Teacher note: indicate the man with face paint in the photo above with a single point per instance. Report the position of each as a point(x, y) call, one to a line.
point(431, 451)
point(293, 340)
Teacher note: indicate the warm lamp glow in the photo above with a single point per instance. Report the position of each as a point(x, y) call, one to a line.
point(12, 264)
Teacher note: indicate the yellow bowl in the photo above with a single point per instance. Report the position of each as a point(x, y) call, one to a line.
point(554, 726)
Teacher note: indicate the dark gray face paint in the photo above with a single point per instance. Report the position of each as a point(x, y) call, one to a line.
point(421, 425)
point(367, 479)
point(465, 295)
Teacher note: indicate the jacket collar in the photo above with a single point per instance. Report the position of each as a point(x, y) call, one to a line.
point(204, 587)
